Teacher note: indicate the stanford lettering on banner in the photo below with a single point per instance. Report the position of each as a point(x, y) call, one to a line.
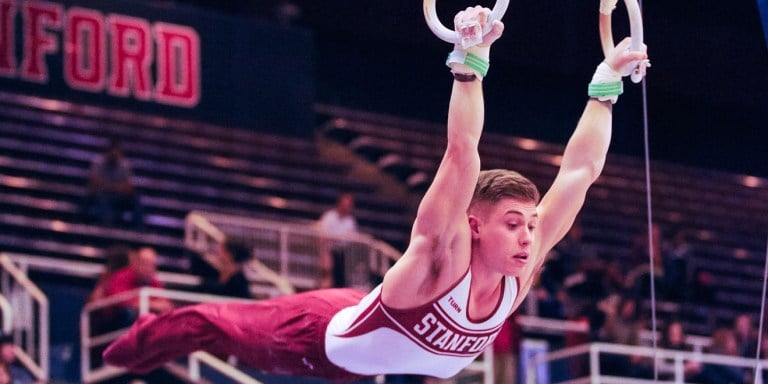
point(113, 53)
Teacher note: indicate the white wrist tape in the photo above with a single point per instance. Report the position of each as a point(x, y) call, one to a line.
point(607, 6)
point(474, 59)
point(606, 84)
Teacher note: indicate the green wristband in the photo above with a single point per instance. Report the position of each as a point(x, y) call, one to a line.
point(605, 89)
point(476, 63)
point(471, 60)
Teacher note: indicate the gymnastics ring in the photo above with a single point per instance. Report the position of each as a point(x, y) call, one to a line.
point(635, 69)
point(451, 36)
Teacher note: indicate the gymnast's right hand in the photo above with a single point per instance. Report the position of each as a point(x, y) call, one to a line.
point(471, 56)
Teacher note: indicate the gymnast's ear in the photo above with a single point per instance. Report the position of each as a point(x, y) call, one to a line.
point(475, 224)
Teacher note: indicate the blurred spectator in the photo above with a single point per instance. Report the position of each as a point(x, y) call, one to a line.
point(622, 325)
point(622, 321)
point(506, 349)
point(723, 343)
point(111, 192)
point(115, 258)
point(140, 272)
point(550, 305)
point(572, 274)
point(126, 269)
point(17, 374)
point(614, 280)
point(674, 338)
point(591, 315)
point(639, 265)
point(764, 347)
point(703, 288)
point(672, 265)
point(231, 279)
point(571, 255)
point(678, 258)
point(746, 335)
point(337, 222)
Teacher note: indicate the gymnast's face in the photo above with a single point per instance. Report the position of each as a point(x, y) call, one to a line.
point(503, 234)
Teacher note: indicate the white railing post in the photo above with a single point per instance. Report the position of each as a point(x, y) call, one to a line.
point(594, 363)
point(45, 345)
point(85, 349)
point(284, 271)
point(194, 368)
point(5, 284)
point(143, 302)
point(7, 310)
point(488, 372)
point(679, 371)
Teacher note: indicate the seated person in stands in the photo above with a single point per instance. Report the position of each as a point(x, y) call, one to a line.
point(723, 343)
point(703, 287)
point(638, 273)
point(231, 279)
point(678, 265)
point(621, 324)
point(140, 272)
point(570, 256)
point(674, 338)
point(111, 192)
point(746, 335)
point(116, 257)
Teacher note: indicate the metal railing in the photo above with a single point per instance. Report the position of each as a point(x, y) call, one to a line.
point(669, 362)
point(292, 250)
point(198, 358)
point(6, 311)
point(29, 323)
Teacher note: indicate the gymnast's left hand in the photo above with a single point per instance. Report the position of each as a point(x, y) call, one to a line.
point(621, 55)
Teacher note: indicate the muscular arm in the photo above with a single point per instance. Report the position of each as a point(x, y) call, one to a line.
point(446, 201)
point(440, 232)
point(582, 163)
point(439, 248)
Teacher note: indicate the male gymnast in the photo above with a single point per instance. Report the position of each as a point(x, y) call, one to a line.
point(477, 243)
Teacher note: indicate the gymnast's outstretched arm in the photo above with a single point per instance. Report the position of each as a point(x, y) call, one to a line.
point(432, 258)
point(585, 152)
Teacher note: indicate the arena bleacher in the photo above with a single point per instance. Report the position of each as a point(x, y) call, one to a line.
point(179, 167)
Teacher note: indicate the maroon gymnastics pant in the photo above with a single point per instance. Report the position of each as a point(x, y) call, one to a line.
point(285, 335)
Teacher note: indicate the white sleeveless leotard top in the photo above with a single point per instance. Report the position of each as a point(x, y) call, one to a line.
point(435, 339)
